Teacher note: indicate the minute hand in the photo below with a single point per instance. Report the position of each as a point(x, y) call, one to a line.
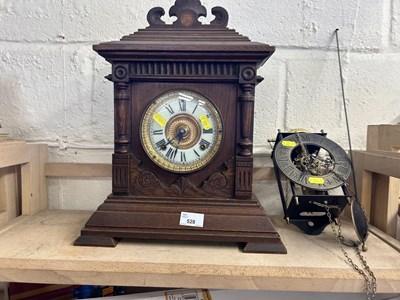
point(179, 135)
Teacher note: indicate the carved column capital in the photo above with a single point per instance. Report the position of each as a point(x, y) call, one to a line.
point(120, 73)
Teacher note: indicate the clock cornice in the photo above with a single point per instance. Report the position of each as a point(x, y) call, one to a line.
point(186, 41)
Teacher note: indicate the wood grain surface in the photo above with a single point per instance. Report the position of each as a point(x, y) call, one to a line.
point(39, 249)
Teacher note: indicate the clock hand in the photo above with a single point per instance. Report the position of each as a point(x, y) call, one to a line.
point(303, 175)
point(170, 141)
point(179, 135)
point(306, 159)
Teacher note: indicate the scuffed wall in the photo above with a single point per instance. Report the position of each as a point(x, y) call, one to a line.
point(52, 86)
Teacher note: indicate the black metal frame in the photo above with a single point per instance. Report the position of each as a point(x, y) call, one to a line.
point(302, 209)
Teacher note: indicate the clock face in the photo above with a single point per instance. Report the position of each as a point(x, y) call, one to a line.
point(181, 131)
point(313, 161)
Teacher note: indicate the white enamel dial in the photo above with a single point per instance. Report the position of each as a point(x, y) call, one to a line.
point(181, 131)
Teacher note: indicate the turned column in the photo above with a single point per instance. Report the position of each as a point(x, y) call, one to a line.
point(244, 158)
point(122, 131)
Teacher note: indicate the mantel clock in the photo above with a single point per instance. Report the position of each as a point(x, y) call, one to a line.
point(183, 158)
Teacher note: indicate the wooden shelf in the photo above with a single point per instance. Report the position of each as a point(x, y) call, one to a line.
point(39, 249)
point(37, 246)
point(378, 176)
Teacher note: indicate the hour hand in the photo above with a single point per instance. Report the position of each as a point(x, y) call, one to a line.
point(179, 136)
point(170, 141)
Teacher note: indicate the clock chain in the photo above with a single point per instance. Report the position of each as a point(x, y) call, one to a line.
point(365, 271)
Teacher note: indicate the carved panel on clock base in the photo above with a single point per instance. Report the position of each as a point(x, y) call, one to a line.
point(120, 174)
point(147, 183)
point(244, 177)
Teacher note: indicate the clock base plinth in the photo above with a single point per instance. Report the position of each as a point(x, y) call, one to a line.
point(225, 220)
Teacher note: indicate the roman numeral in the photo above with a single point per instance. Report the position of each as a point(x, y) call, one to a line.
point(161, 143)
point(158, 132)
point(302, 178)
point(171, 153)
point(342, 169)
point(197, 105)
point(170, 110)
point(206, 131)
point(205, 143)
point(337, 179)
point(195, 152)
point(182, 105)
point(305, 138)
point(183, 157)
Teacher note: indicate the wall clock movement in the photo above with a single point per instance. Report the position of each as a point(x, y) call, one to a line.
point(316, 170)
point(184, 107)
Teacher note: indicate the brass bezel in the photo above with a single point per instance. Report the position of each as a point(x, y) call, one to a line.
point(152, 151)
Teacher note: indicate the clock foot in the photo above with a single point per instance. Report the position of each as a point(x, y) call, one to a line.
point(100, 241)
point(273, 248)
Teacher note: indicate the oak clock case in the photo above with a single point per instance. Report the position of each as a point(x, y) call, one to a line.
point(183, 121)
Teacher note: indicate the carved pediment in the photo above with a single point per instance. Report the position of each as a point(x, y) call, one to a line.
point(188, 13)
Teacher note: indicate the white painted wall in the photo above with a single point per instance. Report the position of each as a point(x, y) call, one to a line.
point(52, 86)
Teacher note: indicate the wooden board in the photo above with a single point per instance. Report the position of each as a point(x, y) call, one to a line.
point(13, 153)
point(34, 183)
point(384, 206)
point(382, 162)
point(384, 137)
point(380, 192)
point(23, 186)
point(78, 170)
point(385, 198)
point(10, 205)
point(263, 169)
point(39, 249)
